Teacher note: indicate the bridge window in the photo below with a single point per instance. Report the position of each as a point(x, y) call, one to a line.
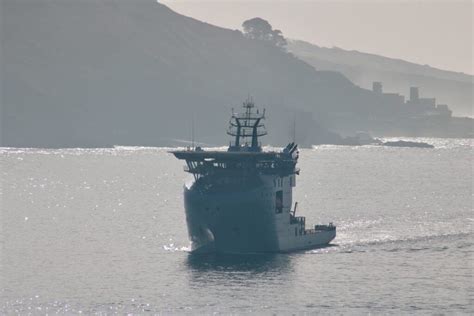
point(279, 202)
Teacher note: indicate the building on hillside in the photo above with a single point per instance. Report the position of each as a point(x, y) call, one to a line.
point(389, 98)
point(414, 94)
point(426, 106)
point(444, 110)
point(377, 87)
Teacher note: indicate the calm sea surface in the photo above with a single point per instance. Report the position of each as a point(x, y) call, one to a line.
point(103, 231)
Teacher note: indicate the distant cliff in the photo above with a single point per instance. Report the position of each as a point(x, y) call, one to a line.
point(116, 72)
point(452, 88)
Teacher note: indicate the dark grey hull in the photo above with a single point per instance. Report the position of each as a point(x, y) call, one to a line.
point(229, 222)
point(243, 221)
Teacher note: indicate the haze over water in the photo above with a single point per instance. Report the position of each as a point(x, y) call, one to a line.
point(103, 230)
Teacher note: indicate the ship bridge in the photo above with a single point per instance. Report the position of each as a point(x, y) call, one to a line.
point(244, 155)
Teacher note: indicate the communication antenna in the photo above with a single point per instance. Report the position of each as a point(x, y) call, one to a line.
point(294, 128)
point(192, 131)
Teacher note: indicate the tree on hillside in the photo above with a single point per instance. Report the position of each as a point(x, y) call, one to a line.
point(278, 38)
point(260, 29)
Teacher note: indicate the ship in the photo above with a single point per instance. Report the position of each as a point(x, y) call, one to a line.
point(241, 199)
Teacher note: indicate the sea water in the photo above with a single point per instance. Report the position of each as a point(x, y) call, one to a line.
point(103, 231)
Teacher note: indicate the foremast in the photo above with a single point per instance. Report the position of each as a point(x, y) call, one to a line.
point(247, 125)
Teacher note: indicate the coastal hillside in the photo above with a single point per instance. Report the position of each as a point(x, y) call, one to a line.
point(116, 72)
point(452, 88)
point(94, 73)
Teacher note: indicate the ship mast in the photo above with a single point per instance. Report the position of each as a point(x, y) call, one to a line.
point(294, 128)
point(247, 125)
point(192, 132)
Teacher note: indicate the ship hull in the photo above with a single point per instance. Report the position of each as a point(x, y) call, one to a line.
point(244, 221)
point(229, 222)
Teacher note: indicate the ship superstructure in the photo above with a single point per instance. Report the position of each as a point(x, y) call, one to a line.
point(241, 199)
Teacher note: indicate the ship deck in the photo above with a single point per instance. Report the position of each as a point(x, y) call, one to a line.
point(195, 155)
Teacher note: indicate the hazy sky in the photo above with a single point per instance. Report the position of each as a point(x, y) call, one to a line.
point(434, 32)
